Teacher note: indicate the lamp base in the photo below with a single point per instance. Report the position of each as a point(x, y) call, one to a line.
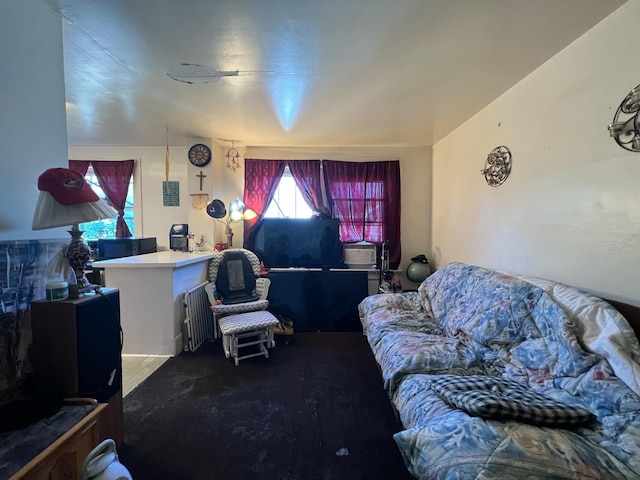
point(78, 255)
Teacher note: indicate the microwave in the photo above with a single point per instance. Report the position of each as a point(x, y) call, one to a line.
point(108, 248)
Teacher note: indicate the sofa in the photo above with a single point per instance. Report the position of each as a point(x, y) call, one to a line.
point(496, 375)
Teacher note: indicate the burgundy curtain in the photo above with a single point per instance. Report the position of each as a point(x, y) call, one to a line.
point(114, 177)
point(366, 199)
point(261, 178)
point(308, 178)
point(80, 166)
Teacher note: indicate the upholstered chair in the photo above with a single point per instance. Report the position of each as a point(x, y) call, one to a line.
point(235, 285)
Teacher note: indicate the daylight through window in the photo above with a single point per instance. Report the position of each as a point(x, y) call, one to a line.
point(107, 228)
point(287, 201)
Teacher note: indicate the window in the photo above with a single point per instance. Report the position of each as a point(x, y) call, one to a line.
point(107, 228)
point(287, 201)
point(364, 202)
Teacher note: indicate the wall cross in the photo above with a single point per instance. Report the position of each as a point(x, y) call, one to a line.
point(201, 176)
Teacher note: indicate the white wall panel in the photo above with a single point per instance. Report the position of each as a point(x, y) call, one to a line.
point(570, 211)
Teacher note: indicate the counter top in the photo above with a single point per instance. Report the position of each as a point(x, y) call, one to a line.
point(304, 269)
point(165, 258)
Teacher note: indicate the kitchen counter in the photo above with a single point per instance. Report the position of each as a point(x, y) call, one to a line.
point(152, 288)
point(167, 258)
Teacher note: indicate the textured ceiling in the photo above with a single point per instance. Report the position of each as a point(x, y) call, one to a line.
point(311, 72)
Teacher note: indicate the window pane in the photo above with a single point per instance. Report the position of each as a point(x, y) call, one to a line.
point(107, 228)
point(362, 202)
point(288, 201)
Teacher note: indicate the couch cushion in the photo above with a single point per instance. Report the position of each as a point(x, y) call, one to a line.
point(500, 399)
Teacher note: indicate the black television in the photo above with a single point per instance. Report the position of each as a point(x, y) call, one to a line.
point(299, 242)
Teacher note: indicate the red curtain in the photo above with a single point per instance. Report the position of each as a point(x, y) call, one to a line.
point(261, 178)
point(114, 177)
point(80, 166)
point(366, 199)
point(308, 178)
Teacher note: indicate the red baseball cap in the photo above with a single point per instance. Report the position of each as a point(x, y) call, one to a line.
point(66, 186)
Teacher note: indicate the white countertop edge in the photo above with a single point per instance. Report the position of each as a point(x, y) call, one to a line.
point(166, 258)
point(303, 269)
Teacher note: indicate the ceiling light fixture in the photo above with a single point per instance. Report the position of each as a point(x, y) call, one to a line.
point(195, 73)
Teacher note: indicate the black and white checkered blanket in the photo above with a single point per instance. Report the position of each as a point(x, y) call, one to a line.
point(498, 398)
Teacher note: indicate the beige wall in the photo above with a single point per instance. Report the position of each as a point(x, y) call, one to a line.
point(33, 129)
point(570, 210)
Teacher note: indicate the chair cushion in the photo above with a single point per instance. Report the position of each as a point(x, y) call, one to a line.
point(236, 281)
point(499, 398)
point(245, 322)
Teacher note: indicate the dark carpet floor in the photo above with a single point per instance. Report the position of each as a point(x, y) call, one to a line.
point(315, 409)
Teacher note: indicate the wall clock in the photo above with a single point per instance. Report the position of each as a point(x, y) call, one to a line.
point(199, 155)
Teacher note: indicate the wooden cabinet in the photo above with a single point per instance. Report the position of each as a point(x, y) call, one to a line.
point(76, 351)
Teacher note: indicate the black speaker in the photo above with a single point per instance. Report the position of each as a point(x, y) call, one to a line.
point(77, 346)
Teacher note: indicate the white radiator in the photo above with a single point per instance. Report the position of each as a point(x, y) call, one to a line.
point(198, 318)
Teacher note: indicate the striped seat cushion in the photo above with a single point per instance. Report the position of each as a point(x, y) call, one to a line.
point(245, 322)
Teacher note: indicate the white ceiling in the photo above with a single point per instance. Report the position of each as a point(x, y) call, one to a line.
point(311, 72)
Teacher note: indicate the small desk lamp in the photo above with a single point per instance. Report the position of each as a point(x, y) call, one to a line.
point(67, 199)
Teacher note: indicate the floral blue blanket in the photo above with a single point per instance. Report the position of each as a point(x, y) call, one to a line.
point(568, 346)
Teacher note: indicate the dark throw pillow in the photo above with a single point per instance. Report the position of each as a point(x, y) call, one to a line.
point(502, 399)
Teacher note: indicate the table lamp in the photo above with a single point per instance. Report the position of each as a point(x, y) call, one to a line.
point(67, 199)
point(237, 213)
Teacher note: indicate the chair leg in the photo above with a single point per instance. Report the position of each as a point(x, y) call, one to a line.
point(226, 346)
point(271, 343)
point(235, 350)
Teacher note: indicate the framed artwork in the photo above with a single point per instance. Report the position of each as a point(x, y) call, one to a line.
point(170, 194)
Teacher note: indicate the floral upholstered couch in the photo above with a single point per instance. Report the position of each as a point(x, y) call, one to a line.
point(508, 377)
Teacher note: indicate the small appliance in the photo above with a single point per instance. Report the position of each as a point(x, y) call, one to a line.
point(179, 237)
point(360, 255)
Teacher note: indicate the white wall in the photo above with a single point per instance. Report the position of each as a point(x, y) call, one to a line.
point(570, 211)
point(152, 218)
point(33, 129)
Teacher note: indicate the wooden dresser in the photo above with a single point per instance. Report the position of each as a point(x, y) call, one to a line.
point(53, 448)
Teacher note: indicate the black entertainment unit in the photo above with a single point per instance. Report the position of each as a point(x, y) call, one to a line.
point(318, 300)
point(299, 242)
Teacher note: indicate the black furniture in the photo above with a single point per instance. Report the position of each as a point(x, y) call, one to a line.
point(76, 352)
point(318, 300)
point(108, 248)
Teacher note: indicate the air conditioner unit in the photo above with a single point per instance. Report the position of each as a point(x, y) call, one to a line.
point(360, 255)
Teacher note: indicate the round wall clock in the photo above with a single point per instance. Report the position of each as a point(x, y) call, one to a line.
point(199, 155)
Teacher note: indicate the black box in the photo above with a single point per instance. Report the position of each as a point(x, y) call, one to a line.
point(108, 248)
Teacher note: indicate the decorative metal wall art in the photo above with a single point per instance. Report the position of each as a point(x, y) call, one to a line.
point(497, 167)
point(625, 128)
